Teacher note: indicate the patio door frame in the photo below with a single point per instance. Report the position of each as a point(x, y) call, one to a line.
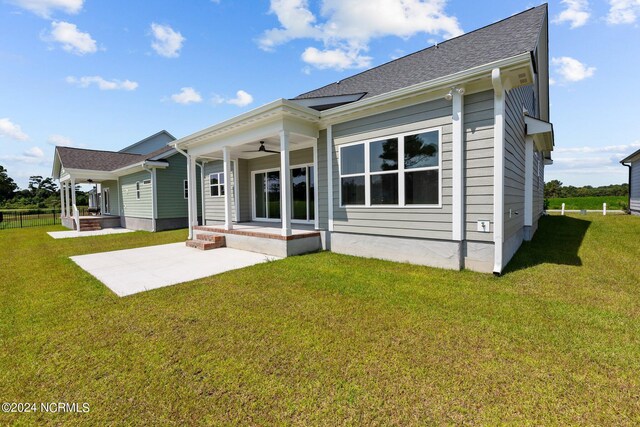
point(253, 194)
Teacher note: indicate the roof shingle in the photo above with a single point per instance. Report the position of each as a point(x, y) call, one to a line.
point(504, 39)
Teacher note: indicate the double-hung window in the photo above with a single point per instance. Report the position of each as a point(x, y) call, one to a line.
point(186, 189)
point(399, 170)
point(216, 184)
point(138, 190)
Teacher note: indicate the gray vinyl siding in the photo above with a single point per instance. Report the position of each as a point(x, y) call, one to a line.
point(321, 185)
point(478, 124)
point(114, 196)
point(538, 185)
point(514, 162)
point(412, 222)
point(214, 205)
point(244, 190)
point(635, 187)
point(170, 188)
point(131, 205)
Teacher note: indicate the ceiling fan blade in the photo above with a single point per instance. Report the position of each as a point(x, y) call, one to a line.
point(271, 151)
point(251, 151)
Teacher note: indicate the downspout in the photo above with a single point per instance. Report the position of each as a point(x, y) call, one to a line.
point(202, 189)
point(154, 208)
point(629, 197)
point(498, 171)
point(189, 213)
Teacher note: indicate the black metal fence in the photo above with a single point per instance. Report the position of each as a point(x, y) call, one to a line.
point(32, 218)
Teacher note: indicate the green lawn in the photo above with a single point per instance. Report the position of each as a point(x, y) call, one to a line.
point(326, 339)
point(595, 203)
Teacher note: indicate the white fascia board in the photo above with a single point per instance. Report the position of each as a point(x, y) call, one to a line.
point(164, 155)
point(277, 109)
point(333, 115)
point(137, 167)
point(541, 131)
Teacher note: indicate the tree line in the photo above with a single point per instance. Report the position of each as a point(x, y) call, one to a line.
point(555, 189)
point(41, 193)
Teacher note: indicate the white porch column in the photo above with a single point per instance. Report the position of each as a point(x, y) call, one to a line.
point(458, 164)
point(330, 177)
point(189, 197)
point(192, 190)
point(528, 182)
point(226, 156)
point(316, 207)
point(285, 184)
point(202, 192)
point(73, 192)
point(67, 200)
point(62, 214)
point(101, 200)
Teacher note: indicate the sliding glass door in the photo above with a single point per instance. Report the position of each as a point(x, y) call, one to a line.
point(266, 186)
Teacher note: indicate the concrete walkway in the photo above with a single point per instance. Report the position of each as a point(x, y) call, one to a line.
point(72, 233)
point(135, 270)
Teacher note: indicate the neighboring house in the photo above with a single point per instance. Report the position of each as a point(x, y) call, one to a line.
point(141, 187)
point(436, 158)
point(633, 163)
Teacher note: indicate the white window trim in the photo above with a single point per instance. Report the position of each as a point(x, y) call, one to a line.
point(400, 171)
point(220, 186)
point(138, 195)
point(185, 189)
point(253, 194)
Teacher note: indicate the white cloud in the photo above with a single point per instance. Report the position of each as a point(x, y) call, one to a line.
point(349, 25)
point(34, 152)
point(337, 59)
point(187, 95)
point(102, 84)
point(45, 8)
point(571, 70)
point(12, 130)
point(167, 42)
point(623, 11)
point(62, 141)
point(618, 149)
point(242, 99)
point(576, 13)
point(72, 39)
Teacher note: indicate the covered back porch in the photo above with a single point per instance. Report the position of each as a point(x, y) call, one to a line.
point(99, 205)
point(246, 195)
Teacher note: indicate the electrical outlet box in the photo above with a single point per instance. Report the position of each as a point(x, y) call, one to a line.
point(484, 225)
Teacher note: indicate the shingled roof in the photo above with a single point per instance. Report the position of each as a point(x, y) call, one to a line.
point(97, 160)
point(504, 39)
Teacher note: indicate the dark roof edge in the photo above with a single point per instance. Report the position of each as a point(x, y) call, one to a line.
point(631, 156)
point(545, 5)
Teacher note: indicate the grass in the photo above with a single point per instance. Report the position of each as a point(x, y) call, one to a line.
point(593, 203)
point(326, 339)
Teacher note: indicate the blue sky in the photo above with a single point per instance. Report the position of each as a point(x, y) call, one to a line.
point(104, 74)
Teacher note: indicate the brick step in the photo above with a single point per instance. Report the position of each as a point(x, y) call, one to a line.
point(210, 237)
point(204, 245)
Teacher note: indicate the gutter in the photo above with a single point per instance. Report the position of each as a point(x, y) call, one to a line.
point(189, 213)
point(498, 170)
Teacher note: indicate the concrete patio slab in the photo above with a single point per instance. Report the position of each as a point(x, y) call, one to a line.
point(72, 234)
point(131, 271)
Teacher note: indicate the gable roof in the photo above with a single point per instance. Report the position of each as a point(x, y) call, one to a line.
point(503, 39)
point(142, 141)
point(98, 160)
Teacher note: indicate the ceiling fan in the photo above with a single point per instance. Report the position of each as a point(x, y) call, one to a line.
point(262, 149)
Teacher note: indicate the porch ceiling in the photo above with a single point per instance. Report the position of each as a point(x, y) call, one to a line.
point(272, 143)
